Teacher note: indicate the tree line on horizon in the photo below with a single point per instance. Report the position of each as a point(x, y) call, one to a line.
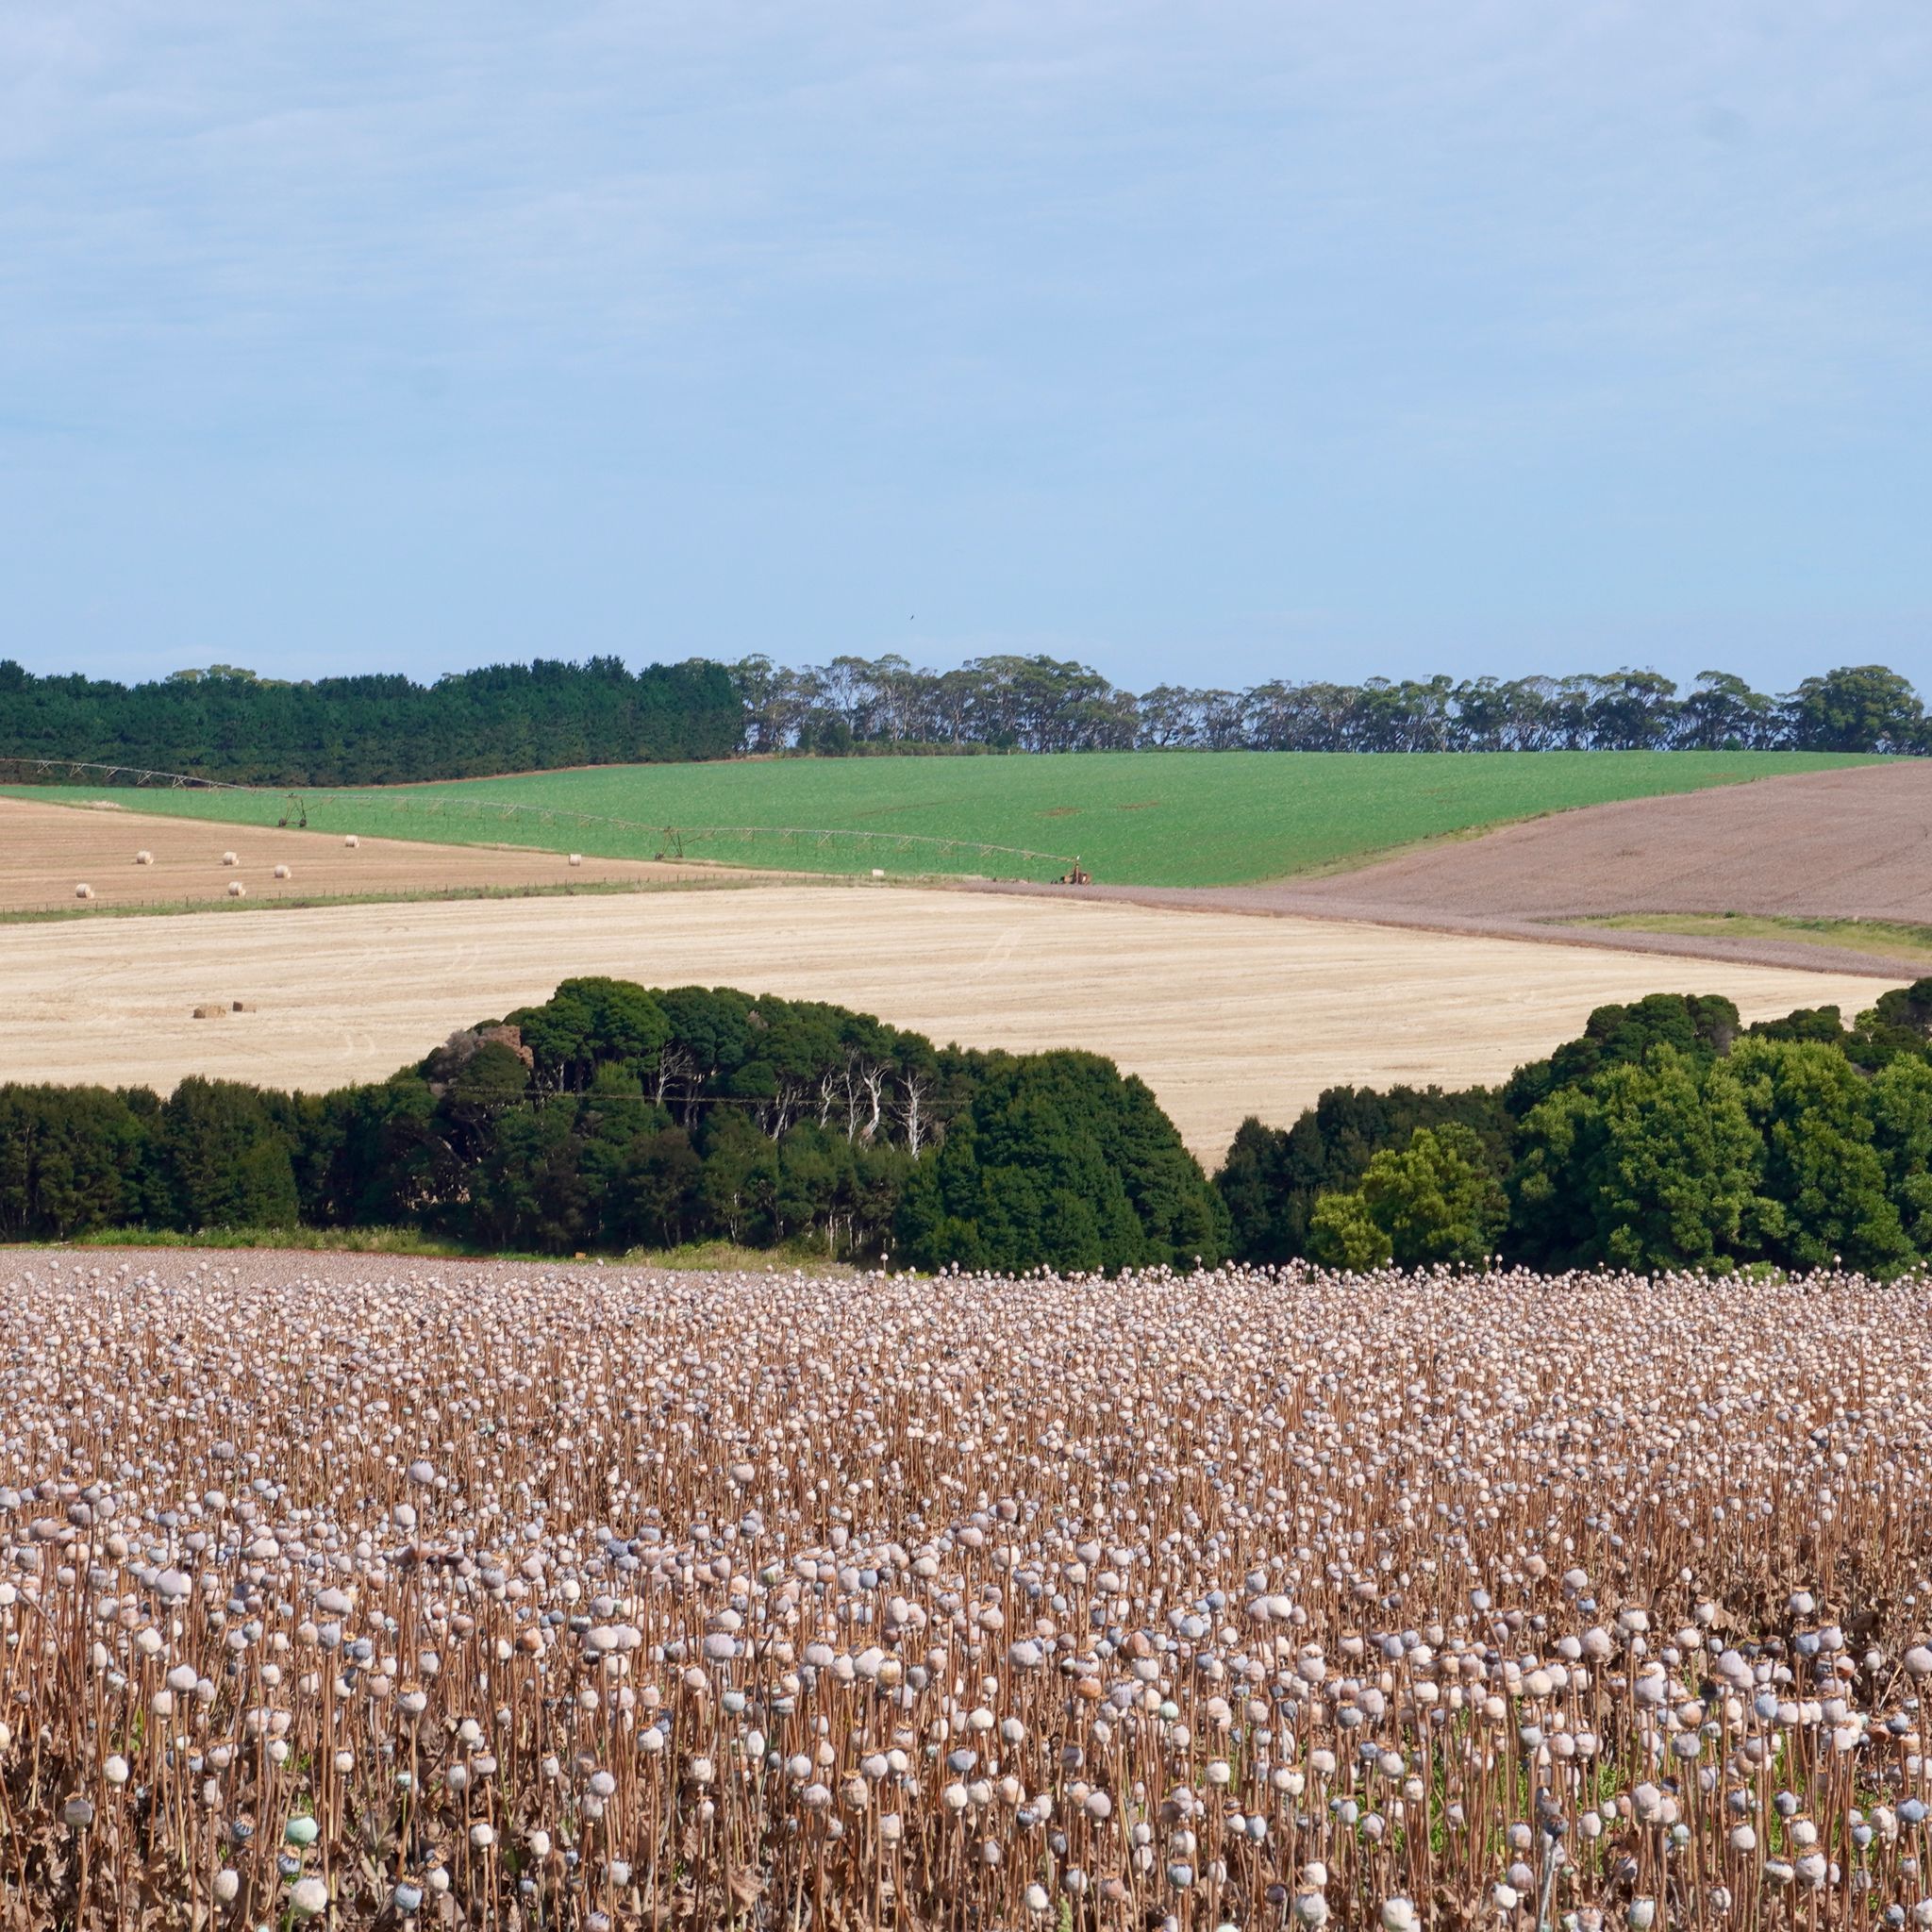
point(227, 724)
point(612, 1117)
point(1040, 704)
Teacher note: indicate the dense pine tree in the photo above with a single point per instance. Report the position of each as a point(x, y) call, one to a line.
point(228, 724)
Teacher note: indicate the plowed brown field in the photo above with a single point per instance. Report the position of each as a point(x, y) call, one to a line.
point(1844, 844)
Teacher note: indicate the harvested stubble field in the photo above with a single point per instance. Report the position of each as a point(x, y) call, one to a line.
point(425, 1593)
point(46, 850)
point(1144, 818)
point(1221, 1016)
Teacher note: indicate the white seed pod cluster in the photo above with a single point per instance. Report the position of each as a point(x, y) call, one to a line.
point(1232, 1599)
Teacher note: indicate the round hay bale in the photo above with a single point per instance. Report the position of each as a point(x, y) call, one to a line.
point(576, 859)
point(83, 892)
point(237, 889)
point(282, 871)
point(350, 841)
point(144, 859)
point(229, 859)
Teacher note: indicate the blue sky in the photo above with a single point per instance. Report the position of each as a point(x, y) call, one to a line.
point(1209, 342)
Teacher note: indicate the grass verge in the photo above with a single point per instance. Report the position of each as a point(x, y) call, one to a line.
point(1882, 937)
point(715, 1258)
point(335, 1241)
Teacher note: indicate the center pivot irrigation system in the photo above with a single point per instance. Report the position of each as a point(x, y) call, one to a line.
point(672, 842)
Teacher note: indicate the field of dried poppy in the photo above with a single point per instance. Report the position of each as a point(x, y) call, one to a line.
point(425, 1592)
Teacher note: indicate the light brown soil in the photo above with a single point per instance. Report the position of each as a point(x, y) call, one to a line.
point(46, 850)
point(1854, 844)
point(1222, 1017)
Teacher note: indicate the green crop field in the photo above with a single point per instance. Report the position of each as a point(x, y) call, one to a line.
point(1132, 818)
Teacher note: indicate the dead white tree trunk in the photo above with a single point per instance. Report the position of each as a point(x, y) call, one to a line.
point(872, 1078)
point(912, 1112)
point(673, 1063)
